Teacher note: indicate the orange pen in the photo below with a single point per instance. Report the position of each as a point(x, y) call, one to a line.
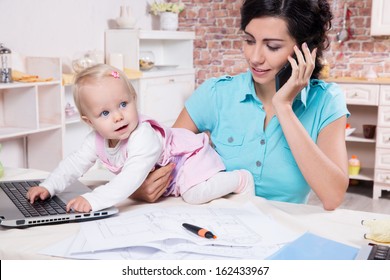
point(199, 231)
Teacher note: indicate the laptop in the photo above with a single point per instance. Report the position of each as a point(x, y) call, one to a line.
point(373, 251)
point(17, 211)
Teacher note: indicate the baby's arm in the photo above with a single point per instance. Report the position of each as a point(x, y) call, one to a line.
point(72, 167)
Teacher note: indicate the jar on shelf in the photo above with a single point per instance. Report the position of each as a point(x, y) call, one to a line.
point(146, 60)
point(5, 65)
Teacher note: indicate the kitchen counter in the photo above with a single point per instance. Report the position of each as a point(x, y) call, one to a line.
point(379, 80)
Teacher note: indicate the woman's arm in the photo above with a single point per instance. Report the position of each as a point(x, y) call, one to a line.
point(184, 121)
point(324, 165)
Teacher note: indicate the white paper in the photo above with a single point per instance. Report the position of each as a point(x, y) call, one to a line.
point(156, 232)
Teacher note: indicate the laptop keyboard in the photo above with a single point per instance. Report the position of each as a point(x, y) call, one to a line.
point(17, 191)
point(379, 252)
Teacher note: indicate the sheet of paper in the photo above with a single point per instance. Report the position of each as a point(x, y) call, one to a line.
point(243, 226)
point(167, 249)
point(155, 232)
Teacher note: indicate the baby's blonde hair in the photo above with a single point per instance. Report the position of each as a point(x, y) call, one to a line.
point(94, 74)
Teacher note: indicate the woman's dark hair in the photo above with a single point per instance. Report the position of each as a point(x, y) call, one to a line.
point(307, 21)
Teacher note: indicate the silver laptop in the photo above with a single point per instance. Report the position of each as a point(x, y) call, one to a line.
point(17, 211)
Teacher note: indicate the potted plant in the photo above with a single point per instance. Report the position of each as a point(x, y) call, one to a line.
point(168, 12)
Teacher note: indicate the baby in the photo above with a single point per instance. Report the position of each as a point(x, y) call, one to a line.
point(131, 145)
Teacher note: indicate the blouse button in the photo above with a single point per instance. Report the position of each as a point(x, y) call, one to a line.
point(230, 139)
point(258, 163)
point(262, 142)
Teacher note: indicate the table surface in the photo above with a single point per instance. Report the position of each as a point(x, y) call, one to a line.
point(341, 225)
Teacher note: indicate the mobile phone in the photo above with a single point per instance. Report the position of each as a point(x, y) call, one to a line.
point(283, 75)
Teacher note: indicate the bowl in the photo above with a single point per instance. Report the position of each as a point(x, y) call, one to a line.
point(349, 131)
point(146, 60)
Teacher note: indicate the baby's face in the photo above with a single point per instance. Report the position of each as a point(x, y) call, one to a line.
point(109, 109)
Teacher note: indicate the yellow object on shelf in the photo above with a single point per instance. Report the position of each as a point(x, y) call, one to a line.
point(354, 166)
point(67, 79)
point(132, 73)
point(18, 76)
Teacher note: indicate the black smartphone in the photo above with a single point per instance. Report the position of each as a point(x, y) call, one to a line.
point(283, 75)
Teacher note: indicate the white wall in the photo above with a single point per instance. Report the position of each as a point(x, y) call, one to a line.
point(63, 28)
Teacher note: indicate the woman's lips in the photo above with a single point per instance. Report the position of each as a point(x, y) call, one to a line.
point(260, 73)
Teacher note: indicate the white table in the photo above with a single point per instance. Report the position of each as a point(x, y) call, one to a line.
point(340, 225)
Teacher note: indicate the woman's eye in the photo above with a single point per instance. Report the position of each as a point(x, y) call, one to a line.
point(273, 48)
point(104, 113)
point(123, 104)
point(250, 41)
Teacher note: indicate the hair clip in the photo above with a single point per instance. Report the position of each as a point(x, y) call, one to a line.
point(115, 74)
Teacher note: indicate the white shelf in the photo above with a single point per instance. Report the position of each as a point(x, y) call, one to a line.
point(15, 85)
point(12, 132)
point(166, 35)
point(168, 47)
point(31, 119)
point(365, 174)
point(369, 103)
point(161, 92)
point(72, 120)
point(163, 73)
point(359, 138)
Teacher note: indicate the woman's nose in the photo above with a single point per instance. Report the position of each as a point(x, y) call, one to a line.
point(257, 56)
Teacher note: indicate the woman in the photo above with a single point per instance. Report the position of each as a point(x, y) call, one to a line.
point(292, 140)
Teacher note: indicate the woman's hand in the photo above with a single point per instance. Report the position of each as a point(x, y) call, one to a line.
point(302, 69)
point(155, 184)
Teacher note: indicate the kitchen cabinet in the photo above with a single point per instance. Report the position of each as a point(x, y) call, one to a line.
point(369, 103)
point(380, 21)
point(163, 89)
point(162, 98)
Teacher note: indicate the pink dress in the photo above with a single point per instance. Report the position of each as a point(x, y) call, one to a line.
point(196, 161)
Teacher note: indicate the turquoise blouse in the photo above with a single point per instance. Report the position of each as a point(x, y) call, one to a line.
point(229, 108)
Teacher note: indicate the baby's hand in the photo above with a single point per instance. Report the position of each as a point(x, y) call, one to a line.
point(37, 192)
point(79, 204)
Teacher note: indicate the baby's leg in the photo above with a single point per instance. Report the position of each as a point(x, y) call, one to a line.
point(219, 185)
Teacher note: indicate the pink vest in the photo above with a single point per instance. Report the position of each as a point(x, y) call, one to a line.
point(196, 161)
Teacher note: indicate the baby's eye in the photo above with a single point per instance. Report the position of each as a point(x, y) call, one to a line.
point(104, 113)
point(123, 104)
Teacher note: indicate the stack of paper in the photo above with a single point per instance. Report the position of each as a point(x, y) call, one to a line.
point(156, 232)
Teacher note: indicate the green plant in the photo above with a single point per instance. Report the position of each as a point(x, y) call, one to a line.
point(161, 7)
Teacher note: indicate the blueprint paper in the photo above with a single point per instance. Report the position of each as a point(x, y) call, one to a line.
point(233, 226)
point(156, 232)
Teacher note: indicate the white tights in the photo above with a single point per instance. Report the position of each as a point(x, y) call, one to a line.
point(221, 184)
